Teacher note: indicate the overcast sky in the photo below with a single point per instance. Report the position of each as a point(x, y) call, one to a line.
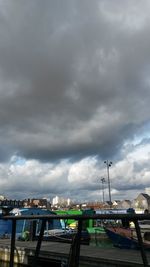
point(74, 91)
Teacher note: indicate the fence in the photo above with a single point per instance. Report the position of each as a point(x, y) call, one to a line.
point(73, 259)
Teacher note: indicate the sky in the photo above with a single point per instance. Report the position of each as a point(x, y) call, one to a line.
point(74, 92)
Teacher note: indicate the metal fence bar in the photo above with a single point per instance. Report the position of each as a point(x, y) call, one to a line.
point(38, 246)
point(77, 256)
point(115, 216)
point(12, 249)
point(74, 254)
point(140, 242)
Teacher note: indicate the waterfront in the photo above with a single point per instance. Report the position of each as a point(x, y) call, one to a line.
point(91, 255)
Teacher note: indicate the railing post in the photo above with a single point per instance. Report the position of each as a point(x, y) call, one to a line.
point(38, 246)
point(74, 256)
point(13, 237)
point(140, 241)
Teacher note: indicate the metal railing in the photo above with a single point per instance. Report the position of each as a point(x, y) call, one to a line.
point(74, 255)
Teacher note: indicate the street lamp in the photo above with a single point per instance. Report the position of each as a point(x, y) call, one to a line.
point(103, 181)
point(108, 165)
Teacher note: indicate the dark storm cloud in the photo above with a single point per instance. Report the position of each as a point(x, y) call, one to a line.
point(130, 185)
point(73, 77)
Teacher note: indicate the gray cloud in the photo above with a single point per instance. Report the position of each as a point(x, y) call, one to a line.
point(74, 79)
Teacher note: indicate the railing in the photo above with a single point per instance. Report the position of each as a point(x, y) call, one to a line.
point(73, 260)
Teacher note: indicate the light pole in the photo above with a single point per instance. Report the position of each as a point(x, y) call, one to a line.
point(103, 181)
point(108, 165)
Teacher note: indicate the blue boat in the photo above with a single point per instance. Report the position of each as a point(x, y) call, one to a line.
point(24, 226)
point(34, 226)
point(122, 240)
point(29, 229)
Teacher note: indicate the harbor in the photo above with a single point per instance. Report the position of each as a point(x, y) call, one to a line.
point(41, 252)
point(73, 238)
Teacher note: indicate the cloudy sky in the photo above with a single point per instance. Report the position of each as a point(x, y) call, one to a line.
point(74, 91)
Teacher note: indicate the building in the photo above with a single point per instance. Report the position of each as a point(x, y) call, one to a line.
point(11, 203)
point(36, 202)
point(124, 204)
point(142, 202)
point(55, 201)
point(116, 203)
point(61, 202)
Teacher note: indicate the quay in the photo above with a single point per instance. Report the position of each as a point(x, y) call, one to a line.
point(90, 256)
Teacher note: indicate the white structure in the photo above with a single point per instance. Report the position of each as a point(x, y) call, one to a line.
point(61, 201)
point(55, 201)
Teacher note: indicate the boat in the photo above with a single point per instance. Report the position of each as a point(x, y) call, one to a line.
point(121, 237)
point(127, 238)
point(30, 229)
point(88, 228)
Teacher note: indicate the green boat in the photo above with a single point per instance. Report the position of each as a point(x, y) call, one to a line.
point(73, 223)
point(88, 225)
point(97, 234)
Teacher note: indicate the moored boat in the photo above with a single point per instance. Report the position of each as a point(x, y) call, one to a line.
point(126, 238)
point(30, 229)
point(121, 237)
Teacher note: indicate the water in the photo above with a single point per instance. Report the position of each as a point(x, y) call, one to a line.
point(101, 243)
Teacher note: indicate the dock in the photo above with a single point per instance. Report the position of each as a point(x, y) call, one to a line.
point(89, 255)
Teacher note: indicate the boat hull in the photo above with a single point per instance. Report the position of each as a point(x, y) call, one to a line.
point(122, 240)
